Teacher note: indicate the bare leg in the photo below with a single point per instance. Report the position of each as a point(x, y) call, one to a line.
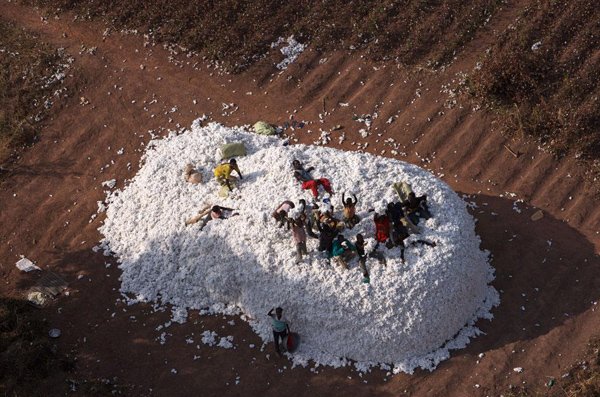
point(206, 219)
point(193, 219)
point(299, 252)
point(362, 263)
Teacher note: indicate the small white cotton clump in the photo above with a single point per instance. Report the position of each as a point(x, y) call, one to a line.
point(179, 315)
point(291, 51)
point(410, 314)
point(294, 213)
point(209, 338)
point(109, 184)
point(226, 342)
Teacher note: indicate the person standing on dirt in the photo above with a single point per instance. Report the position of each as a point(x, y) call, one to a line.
point(223, 173)
point(280, 327)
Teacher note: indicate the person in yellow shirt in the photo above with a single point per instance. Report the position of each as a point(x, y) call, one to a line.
point(223, 173)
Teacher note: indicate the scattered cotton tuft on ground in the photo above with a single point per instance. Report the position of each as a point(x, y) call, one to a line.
point(409, 316)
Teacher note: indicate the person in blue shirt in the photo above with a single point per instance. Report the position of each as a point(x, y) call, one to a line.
point(280, 327)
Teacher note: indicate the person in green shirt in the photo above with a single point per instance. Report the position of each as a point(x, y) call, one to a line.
point(280, 327)
point(343, 250)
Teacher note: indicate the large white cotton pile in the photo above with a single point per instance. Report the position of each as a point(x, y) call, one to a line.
point(410, 314)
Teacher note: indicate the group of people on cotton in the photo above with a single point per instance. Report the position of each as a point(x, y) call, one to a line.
point(415, 307)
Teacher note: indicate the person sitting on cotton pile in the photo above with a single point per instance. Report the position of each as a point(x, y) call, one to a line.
point(300, 173)
point(416, 207)
point(328, 218)
point(342, 251)
point(314, 185)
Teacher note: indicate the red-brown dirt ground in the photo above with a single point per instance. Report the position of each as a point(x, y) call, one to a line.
point(547, 271)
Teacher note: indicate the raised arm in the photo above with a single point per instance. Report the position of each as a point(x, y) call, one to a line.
point(237, 169)
point(204, 211)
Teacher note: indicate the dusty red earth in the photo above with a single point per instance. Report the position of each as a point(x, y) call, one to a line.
point(547, 271)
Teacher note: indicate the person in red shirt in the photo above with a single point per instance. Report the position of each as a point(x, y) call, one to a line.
point(314, 184)
point(382, 228)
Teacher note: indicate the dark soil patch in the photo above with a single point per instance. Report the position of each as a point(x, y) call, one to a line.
point(26, 352)
point(550, 93)
point(581, 380)
point(237, 34)
point(543, 74)
point(31, 73)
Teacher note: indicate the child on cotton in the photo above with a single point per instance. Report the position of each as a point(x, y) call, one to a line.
point(215, 212)
point(280, 327)
point(326, 217)
point(307, 217)
point(302, 175)
point(281, 213)
point(299, 233)
point(342, 250)
point(350, 217)
point(326, 236)
point(398, 231)
point(416, 207)
point(362, 256)
point(223, 173)
point(382, 229)
point(314, 216)
point(314, 184)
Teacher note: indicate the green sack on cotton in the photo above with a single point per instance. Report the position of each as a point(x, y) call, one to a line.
point(234, 149)
point(264, 128)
